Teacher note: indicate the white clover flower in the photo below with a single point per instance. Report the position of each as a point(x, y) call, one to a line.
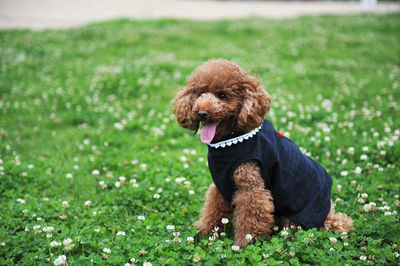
point(88, 203)
point(141, 218)
point(191, 192)
point(224, 220)
point(69, 175)
point(284, 233)
point(36, 227)
point(133, 260)
point(147, 264)
point(119, 126)
point(187, 184)
point(170, 227)
point(107, 250)
point(48, 229)
point(55, 244)
point(102, 184)
point(65, 204)
point(387, 213)
point(339, 187)
point(179, 180)
point(27, 229)
point(94, 213)
point(122, 179)
point(331, 249)
point(67, 241)
point(363, 257)
point(396, 254)
point(49, 235)
point(97, 230)
point(61, 260)
point(350, 150)
point(343, 173)
point(156, 196)
point(117, 184)
point(365, 148)
point(333, 240)
point(235, 248)
point(384, 208)
point(345, 244)
point(3, 244)
point(22, 201)
point(358, 170)
point(249, 237)
point(120, 233)
point(143, 167)
point(190, 239)
point(95, 172)
point(363, 157)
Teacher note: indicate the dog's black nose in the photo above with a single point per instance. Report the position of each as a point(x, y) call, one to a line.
point(203, 114)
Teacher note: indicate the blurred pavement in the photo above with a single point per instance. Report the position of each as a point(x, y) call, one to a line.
point(40, 14)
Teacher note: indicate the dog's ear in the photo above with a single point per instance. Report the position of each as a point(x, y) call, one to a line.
point(182, 108)
point(256, 104)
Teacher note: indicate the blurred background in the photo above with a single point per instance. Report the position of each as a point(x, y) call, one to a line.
point(41, 14)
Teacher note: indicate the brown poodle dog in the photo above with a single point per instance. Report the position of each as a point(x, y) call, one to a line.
point(255, 193)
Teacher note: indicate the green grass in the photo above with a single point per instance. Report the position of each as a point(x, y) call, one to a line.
point(98, 98)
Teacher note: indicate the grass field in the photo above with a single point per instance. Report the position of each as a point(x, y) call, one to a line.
point(93, 165)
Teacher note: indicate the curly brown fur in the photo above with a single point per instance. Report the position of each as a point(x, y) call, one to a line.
point(215, 208)
point(338, 222)
point(254, 207)
point(243, 109)
point(238, 103)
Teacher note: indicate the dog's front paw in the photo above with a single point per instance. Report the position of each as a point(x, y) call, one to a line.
point(202, 227)
point(243, 241)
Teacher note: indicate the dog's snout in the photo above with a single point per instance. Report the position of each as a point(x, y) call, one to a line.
point(202, 114)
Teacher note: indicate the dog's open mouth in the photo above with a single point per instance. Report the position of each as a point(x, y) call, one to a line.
point(208, 132)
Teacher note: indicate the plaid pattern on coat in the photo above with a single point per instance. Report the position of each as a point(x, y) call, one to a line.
point(301, 188)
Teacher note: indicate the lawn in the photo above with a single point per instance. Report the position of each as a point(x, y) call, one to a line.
point(93, 165)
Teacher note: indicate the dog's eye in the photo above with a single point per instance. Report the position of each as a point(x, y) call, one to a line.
point(222, 95)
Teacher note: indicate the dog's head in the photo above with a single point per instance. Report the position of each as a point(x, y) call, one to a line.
point(223, 98)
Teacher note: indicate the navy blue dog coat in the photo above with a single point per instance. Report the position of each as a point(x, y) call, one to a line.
point(301, 188)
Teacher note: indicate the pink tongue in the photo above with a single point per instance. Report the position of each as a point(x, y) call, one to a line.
point(208, 132)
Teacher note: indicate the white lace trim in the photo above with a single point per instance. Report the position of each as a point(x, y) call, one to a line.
point(229, 142)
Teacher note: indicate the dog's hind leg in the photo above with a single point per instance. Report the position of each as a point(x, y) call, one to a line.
point(338, 222)
point(254, 208)
point(215, 208)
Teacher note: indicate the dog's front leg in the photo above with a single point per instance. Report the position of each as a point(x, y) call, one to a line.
point(215, 208)
point(253, 204)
